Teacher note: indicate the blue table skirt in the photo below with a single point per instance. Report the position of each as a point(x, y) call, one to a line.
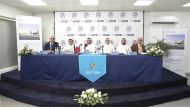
point(120, 68)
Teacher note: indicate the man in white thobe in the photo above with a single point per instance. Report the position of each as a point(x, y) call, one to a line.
point(70, 47)
point(108, 46)
point(88, 46)
point(123, 47)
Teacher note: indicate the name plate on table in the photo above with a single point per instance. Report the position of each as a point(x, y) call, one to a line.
point(92, 67)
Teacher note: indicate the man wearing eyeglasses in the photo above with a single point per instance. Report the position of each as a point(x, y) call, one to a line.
point(138, 47)
point(51, 45)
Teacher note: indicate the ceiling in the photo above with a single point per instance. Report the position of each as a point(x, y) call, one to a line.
point(70, 5)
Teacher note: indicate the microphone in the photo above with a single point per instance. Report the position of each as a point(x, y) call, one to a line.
point(80, 45)
point(85, 45)
point(102, 46)
point(102, 49)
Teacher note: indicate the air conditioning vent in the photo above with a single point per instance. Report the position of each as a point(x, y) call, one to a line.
point(164, 19)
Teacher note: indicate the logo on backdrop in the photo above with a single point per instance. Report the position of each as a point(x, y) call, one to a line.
point(122, 15)
point(74, 15)
point(128, 29)
point(62, 15)
point(86, 15)
point(63, 43)
point(116, 28)
point(110, 14)
point(135, 14)
point(80, 29)
point(98, 42)
point(98, 15)
point(68, 29)
point(92, 29)
point(104, 28)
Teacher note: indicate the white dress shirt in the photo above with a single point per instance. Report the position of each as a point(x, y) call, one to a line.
point(125, 49)
point(69, 48)
point(108, 48)
point(91, 48)
point(50, 45)
point(140, 49)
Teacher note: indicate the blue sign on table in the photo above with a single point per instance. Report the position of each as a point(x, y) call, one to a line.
point(92, 67)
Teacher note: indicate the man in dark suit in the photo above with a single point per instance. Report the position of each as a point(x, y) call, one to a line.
point(138, 47)
point(51, 45)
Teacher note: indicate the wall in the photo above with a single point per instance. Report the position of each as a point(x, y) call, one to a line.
point(8, 55)
point(11, 12)
point(153, 31)
point(47, 25)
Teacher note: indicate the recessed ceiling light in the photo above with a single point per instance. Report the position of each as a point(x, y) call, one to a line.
point(186, 5)
point(143, 2)
point(35, 2)
point(89, 2)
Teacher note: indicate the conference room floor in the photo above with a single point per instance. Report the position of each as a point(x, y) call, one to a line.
point(8, 102)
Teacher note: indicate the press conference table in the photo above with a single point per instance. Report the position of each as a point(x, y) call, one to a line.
point(120, 68)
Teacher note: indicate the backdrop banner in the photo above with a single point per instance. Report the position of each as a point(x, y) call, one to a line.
point(92, 67)
point(98, 25)
point(175, 37)
point(29, 33)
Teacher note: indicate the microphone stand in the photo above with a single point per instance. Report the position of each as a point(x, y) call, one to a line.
point(74, 49)
point(102, 49)
point(85, 45)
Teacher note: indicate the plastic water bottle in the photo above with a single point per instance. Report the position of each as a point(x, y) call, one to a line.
point(56, 50)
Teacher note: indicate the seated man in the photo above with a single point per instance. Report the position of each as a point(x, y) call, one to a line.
point(98, 46)
point(70, 47)
point(88, 46)
point(123, 47)
point(51, 45)
point(139, 47)
point(108, 46)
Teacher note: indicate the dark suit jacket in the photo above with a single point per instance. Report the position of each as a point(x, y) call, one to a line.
point(47, 46)
point(134, 48)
